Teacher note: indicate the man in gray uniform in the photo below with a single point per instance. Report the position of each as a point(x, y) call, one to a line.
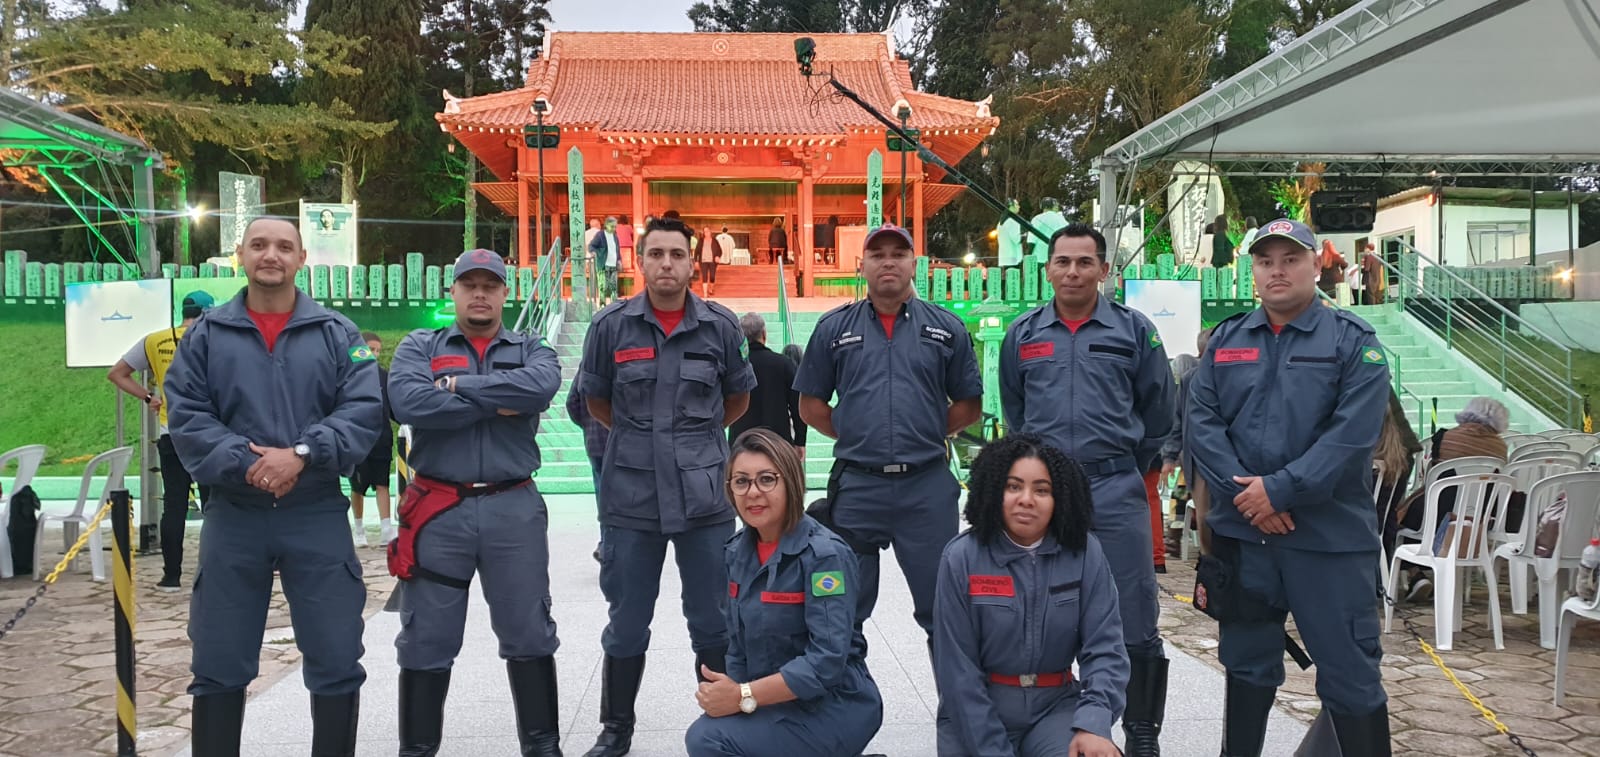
point(906, 378)
point(472, 394)
point(270, 398)
point(1284, 412)
point(1091, 377)
point(667, 372)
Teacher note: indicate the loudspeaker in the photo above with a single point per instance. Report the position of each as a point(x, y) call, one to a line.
point(1341, 212)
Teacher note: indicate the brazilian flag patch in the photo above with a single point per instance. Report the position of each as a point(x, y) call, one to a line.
point(1155, 340)
point(744, 350)
point(828, 583)
point(361, 354)
point(1372, 355)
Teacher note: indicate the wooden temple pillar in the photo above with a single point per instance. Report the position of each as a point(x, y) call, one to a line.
point(919, 233)
point(524, 211)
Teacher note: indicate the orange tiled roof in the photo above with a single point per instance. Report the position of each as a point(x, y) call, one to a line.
point(640, 83)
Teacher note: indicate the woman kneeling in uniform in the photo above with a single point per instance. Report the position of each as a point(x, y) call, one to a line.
point(796, 683)
point(1021, 596)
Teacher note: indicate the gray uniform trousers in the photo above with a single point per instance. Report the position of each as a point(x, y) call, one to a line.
point(504, 538)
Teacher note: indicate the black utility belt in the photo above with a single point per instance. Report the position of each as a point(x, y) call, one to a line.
point(892, 469)
point(1111, 465)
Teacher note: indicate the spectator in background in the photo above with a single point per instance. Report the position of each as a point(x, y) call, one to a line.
point(593, 231)
point(1397, 449)
point(625, 236)
point(154, 353)
point(725, 246)
point(373, 473)
point(828, 239)
point(1250, 232)
point(1221, 245)
point(777, 241)
point(1332, 266)
point(774, 404)
point(1373, 276)
point(606, 248)
point(1477, 433)
point(708, 248)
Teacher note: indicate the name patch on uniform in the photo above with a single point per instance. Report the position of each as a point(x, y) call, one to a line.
point(990, 586)
point(828, 583)
point(361, 354)
point(1036, 350)
point(783, 597)
point(934, 333)
point(637, 353)
point(1239, 355)
point(844, 341)
point(446, 362)
point(733, 589)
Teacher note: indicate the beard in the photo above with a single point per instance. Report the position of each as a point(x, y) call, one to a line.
point(479, 321)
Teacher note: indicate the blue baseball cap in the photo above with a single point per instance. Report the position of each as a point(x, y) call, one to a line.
point(1287, 228)
point(889, 228)
point(480, 260)
point(197, 302)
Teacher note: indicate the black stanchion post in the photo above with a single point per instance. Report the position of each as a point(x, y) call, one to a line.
point(122, 592)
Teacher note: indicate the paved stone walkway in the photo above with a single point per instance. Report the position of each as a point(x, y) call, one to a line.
point(57, 690)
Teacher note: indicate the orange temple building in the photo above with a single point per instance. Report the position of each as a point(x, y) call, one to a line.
point(724, 129)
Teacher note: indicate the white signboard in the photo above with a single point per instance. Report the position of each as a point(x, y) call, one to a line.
point(1174, 307)
point(1196, 193)
point(329, 231)
point(105, 318)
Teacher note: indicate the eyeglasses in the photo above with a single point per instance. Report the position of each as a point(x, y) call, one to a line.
point(765, 482)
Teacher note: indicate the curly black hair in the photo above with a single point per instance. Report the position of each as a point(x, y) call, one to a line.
point(1069, 488)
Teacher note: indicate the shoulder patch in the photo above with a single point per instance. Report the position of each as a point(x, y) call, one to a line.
point(1373, 356)
point(1155, 339)
point(361, 354)
point(828, 583)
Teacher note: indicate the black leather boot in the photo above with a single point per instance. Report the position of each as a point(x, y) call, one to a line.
point(716, 659)
point(215, 724)
point(620, 687)
point(533, 695)
point(1147, 706)
point(1244, 719)
point(422, 694)
point(1364, 735)
point(333, 724)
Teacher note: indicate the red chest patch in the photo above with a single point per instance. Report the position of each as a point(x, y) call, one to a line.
point(783, 597)
point(446, 362)
point(990, 586)
point(1240, 355)
point(637, 353)
point(1036, 350)
point(733, 589)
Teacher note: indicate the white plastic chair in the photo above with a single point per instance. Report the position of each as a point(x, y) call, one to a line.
point(1459, 466)
point(1479, 498)
point(1378, 470)
point(1583, 510)
point(1571, 610)
point(1515, 440)
point(1555, 432)
point(28, 460)
point(116, 464)
point(1536, 449)
point(1528, 472)
point(1580, 443)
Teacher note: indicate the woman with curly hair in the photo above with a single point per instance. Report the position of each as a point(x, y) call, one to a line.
point(1021, 596)
point(797, 682)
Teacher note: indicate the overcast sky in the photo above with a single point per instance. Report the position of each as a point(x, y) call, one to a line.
point(621, 15)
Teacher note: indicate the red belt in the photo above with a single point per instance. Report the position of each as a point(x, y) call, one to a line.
point(1032, 680)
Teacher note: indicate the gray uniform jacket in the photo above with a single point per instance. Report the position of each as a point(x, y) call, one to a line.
point(1101, 394)
point(1010, 611)
point(1302, 409)
point(894, 393)
point(461, 436)
point(319, 387)
point(665, 458)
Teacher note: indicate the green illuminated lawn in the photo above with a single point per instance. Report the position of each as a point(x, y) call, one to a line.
point(71, 411)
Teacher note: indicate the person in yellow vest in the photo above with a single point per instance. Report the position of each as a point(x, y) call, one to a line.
point(154, 353)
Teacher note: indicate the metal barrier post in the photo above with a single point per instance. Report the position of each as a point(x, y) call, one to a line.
point(122, 592)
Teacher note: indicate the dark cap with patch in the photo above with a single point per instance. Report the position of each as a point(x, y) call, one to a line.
point(888, 229)
point(480, 260)
point(1286, 228)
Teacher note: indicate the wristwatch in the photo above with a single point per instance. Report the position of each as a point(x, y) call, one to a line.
point(747, 700)
point(303, 451)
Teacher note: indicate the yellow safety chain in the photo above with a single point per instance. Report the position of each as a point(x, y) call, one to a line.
point(1438, 662)
point(66, 560)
